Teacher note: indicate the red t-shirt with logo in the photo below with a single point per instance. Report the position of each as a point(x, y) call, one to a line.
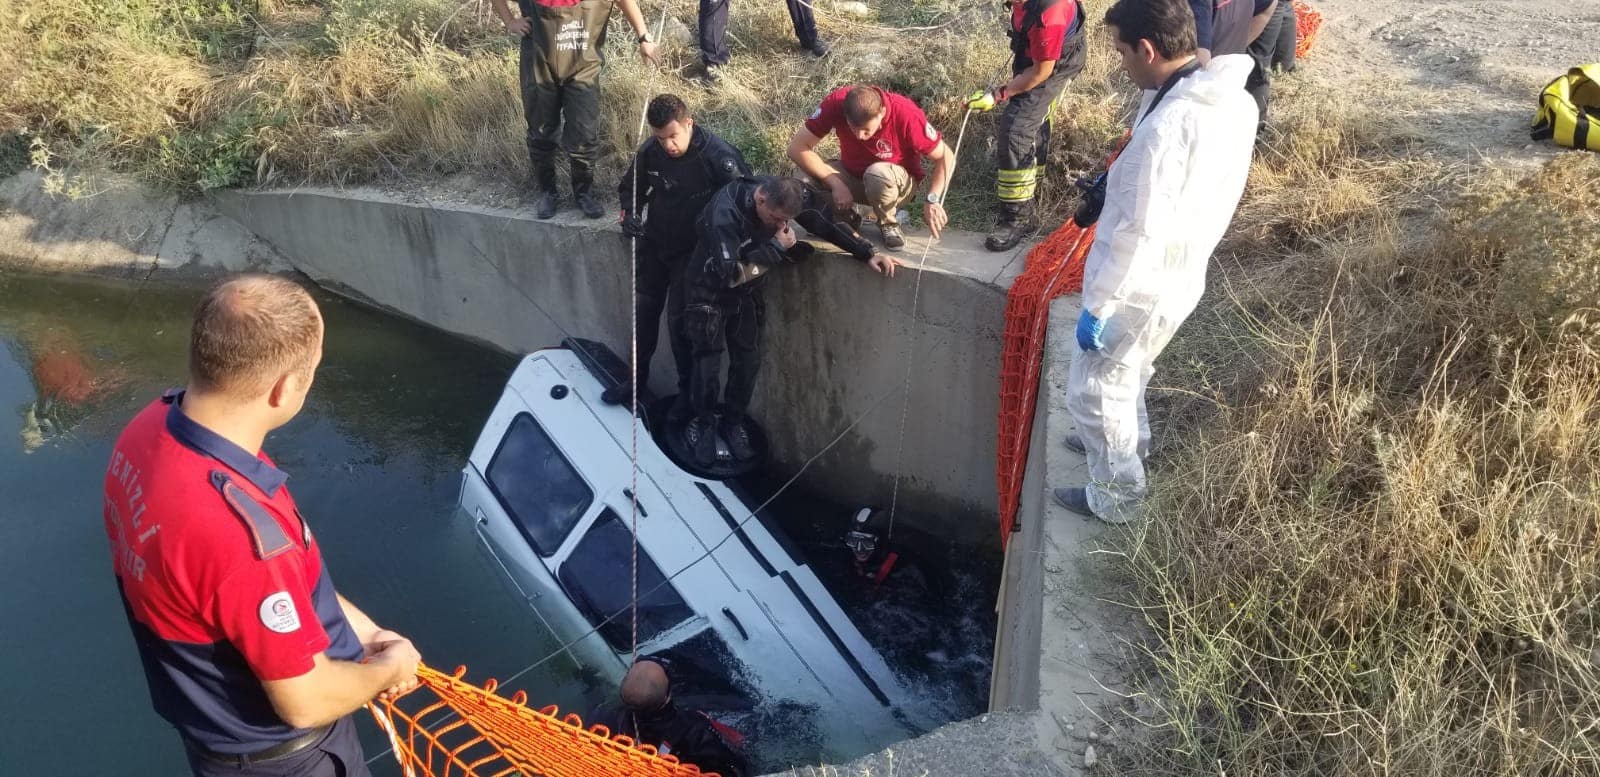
point(903, 138)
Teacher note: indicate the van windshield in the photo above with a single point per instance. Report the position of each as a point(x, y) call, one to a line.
point(541, 490)
point(598, 577)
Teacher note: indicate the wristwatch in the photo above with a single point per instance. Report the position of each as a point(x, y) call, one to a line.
point(645, 38)
point(934, 198)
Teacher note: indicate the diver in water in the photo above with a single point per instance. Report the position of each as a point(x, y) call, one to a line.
point(869, 548)
point(648, 716)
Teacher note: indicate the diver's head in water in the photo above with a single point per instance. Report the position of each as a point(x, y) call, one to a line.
point(646, 688)
point(863, 535)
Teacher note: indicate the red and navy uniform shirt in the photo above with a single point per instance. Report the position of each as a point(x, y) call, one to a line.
point(903, 138)
point(222, 582)
point(1040, 28)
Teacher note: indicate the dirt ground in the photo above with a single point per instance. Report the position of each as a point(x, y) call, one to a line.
point(1469, 72)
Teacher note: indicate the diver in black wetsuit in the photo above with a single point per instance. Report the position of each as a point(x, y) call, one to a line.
point(741, 235)
point(648, 716)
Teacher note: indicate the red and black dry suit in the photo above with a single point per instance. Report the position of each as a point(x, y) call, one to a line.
point(670, 195)
point(560, 79)
point(1040, 30)
point(719, 312)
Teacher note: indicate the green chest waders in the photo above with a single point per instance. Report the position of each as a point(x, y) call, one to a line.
point(560, 74)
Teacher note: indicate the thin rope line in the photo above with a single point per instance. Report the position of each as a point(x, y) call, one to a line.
point(633, 343)
point(911, 353)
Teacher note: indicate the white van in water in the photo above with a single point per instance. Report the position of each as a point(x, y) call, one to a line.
point(720, 597)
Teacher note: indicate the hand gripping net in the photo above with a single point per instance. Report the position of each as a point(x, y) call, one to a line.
point(450, 728)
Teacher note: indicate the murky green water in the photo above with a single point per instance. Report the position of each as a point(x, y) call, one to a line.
point(374, 462)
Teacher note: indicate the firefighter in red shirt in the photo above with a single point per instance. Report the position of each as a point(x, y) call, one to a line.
point(883, 138)
point(1048, 51)
point(247, 649)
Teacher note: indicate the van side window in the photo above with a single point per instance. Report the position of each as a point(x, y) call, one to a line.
point(537, 485)
point(598, 574)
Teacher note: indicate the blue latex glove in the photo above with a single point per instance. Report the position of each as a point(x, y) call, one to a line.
point(1090, 331)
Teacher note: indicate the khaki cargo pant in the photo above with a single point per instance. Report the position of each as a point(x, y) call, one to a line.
point(885, 187)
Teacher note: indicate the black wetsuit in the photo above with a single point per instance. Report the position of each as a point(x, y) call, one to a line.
point(688, 736)
point(560, 78)
point(671, 193)
point(719, 313)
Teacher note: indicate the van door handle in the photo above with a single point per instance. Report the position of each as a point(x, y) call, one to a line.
point(736, 623)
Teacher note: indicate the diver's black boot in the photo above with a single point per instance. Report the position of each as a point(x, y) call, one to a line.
point(737, 432)
point(701, 435)
point(1013, 226)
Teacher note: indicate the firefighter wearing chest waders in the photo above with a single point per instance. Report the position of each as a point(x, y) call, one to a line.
point(1048, 51)
point(560, 80)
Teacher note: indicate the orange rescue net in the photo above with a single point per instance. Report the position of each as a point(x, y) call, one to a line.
point(450, 728)
point(1307, 21)
point(1054, 267)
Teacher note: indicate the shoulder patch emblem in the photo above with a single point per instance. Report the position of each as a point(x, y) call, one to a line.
point(278, 614)
point(729, 167)
point(927, 129)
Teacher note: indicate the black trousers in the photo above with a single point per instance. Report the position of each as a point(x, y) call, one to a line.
point(733, 323)
point(337, 755)
point(714, 28)
point(570, 108)
point(1022, 142)
point(656, 270)
point(1275, 46)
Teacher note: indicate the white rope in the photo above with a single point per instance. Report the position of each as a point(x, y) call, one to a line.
point(911, 352)
point(633, 340)
point(394, 740)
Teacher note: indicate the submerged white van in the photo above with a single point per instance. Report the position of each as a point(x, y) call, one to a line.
point(722, 597)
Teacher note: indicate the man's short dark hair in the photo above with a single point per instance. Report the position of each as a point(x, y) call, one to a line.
point(249, 330)
point(665, 109)
point(861, 105)
point(1167, 24)
point(785, 195)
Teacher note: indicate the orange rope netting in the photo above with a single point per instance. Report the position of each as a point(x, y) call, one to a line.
point(1054, 267)
point(476, 733)
point(1307, 22)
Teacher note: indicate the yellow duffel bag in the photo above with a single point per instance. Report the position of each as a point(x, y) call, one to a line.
point(1569, 109)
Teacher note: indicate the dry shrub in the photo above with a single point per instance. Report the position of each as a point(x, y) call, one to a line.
point(1380, 555)
point(193, 96)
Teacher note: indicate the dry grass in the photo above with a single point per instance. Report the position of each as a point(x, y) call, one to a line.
point(196, 95)
point(1374, 548)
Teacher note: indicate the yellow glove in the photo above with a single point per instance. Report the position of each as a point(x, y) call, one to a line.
point(981, 100)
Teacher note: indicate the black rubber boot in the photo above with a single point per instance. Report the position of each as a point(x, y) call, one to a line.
point(701, 435)
point(542, 187)
point(1013, 226)
point(738, 437)
point(590, 205)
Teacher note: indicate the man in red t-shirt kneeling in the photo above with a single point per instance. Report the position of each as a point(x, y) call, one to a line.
point(883, 138)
